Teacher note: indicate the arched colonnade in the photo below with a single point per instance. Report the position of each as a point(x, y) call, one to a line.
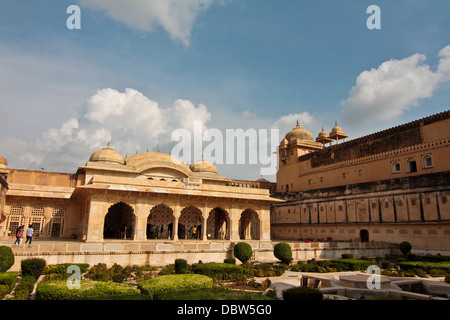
point(162, 221)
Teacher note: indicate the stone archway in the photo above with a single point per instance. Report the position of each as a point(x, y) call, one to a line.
point(119, 222)
point(217, 224)
point(364, 235)
point(249, 225)
point(160, 222)
point(190, 223)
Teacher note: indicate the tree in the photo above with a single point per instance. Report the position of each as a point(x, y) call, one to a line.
point(243, 251)
point(283, 252)
point(6, 258)
point(405, 247)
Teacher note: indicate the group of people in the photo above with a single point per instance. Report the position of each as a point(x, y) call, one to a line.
point(192, 233)
point(19, 235)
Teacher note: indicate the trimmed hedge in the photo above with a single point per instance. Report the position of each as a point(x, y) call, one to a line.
point(283, 252)
point(424, 265)
point(158, 286)
point(243, 251)
point(7, 282)
point(62, 268)
point(58, 290)
point(33, 267)
point(405, 247)
point(350, 264)
point(302, 293)
point(181, 266)
point(6, 258)
point(219, 271)
point(337, 265)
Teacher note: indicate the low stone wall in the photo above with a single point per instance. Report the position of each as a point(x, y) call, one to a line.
point(160, 253)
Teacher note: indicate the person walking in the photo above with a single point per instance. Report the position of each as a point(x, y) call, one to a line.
point(29, 235)
point(19, 235)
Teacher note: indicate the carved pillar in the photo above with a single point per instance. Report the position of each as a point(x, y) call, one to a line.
point(176, 213)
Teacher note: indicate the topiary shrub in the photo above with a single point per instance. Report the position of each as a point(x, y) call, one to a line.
point(243, 251)
point(6, 258)
point(302, 293)
point(347, 256)
point(405, 247)
point(181, 266)
point(283, 252)
point(33, 267)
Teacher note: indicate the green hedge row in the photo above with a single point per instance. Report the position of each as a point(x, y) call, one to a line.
point(219, 271)
point(158, 286)
point(58, 290)
point(337, 265)
point(425, 265)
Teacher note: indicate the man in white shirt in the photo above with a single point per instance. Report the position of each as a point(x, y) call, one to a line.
point(29, 235)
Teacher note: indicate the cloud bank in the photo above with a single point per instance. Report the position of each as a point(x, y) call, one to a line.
point(128, 120)
point(394, 87)
point(176, 17)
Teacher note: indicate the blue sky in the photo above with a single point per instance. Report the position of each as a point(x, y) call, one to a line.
point(230, 63)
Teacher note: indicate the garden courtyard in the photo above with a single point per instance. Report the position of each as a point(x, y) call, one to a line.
point(392, 277)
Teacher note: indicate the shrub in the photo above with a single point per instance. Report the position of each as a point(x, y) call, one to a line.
point(447, 278)
point(181, 266)
point(405, 247)
point(9, 279)
point(6, 258)
point(425, 265)
point(58, 290)
point(62, 268)
point(283, 252)
point(98, 268)
point(346, 256)
point(230, 260)
point(302, 293)
point(4, 290)
point(243, 251)
point(33, 267)
point(349, 264)
point(219, 271)
point(174, 283)
point(438, 273)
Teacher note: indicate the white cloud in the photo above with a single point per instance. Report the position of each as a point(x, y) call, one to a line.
point(288, 122)
point(175, 16)
point(394, 87)
point(128, 120)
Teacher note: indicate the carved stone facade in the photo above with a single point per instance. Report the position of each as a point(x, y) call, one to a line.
point(392, 185)
point(149, 196)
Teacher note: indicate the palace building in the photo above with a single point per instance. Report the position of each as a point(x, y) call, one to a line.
point(148, 196)
point(392, 185)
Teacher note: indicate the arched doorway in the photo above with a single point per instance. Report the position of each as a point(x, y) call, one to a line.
point(249, 225)
point(217, 225)
point(160, 222)
point(189, 224)
point(119, 222)
point(364, 235)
